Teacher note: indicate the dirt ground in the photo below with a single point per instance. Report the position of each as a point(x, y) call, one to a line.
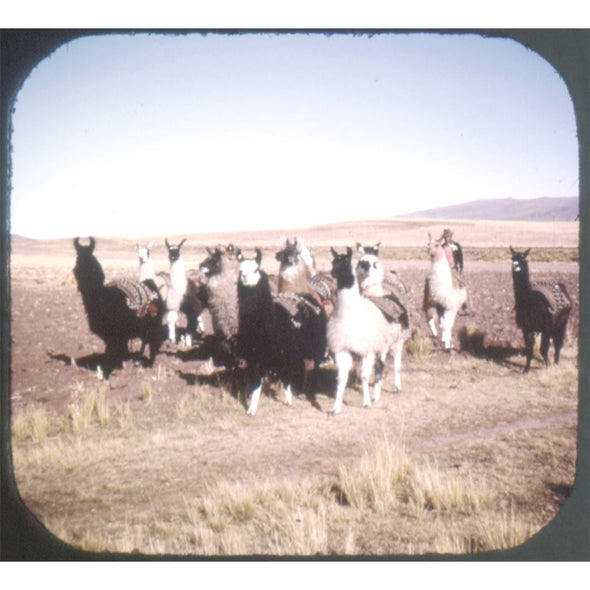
point(452, 407)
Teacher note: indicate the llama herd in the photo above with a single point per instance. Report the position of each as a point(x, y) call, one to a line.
point(285, 326)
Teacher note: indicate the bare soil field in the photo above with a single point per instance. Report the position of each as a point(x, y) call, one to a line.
point(471, 456)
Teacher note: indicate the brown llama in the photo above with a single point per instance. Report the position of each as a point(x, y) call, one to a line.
point(444, 293)
point(540, 308)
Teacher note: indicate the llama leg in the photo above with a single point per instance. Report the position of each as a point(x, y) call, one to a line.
point(447, 327)
point(172, 319)
point(367, 365)
point(397, 366)
point(558, 340)
point(344, 363)
point(155, 340)
point(545, 341)
point(432, 326)
point(379, 365)
point(200, 325)
point(115, 353)
point(138, 358)
point(288, 395)
point(529, 342)
point(255, 399)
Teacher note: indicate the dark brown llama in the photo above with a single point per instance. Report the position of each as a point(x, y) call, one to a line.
point(540, 308)
point(118, 311)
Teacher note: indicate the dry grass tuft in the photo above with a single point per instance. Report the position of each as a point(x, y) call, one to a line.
point(386, 478)
point(419, 347)
point(33, 422)
point(89, 406)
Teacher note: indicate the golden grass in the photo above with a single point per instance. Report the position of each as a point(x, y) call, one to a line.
point(88, 405)
point(385, 502)
point(315, 516)
point(419, 347)
point(32, 422)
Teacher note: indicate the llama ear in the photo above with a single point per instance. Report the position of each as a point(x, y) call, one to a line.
point(284, 242)
point(167, 244)
point(334, 253)
point(348, 252)
point(77, 244)
point(512, 251)
point(526, 253)
point(239, 255)
point(181, 243)
point(299, 243)
point(360, 249)
point(92, 244)
point(258, 256)
point(376, 248)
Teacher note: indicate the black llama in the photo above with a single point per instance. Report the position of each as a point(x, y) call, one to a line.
point(120, 310)
point(541, 307)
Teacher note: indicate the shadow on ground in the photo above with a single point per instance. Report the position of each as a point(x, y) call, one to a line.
point(474, 344)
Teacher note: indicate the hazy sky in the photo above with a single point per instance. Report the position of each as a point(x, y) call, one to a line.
point(159, 134)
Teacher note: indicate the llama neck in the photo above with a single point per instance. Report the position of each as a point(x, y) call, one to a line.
point(225, 279)
point(348, 295)
point(146, 270)
point(522, 285)
point(294, 279)
point(178, 275)
point(89, 275)
point(440, 275)
point(257, 299)
point(372, 284)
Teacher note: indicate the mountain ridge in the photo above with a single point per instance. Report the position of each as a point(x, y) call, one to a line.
point(509, 209)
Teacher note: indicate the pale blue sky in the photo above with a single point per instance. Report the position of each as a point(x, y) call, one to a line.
point(161, 134)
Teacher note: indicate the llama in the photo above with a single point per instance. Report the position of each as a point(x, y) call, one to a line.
point(146, 263)
point(221, 270)
point(294, 267)
point(387, 291)
point(301, 299)
point(120, 310)
point(372, 278)
point(183, 296)
point(147, 271)
point(270, 338)
point(444, 293)
point(320, 284)
point(540, 307)
point(358, 327)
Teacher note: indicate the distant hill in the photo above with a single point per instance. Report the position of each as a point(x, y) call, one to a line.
point(541, 209)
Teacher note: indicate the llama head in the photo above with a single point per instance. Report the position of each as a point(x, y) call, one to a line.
point(435, 248)
point(250, 272)
point(144, 252)
point(369, 270)
point(520, 266)
point(306, 255)
point(342, 268)
point(174, 251)
point(362, 250)
point(88, 271)
point(218, 256)
point(230, 252)
point(290, 253)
